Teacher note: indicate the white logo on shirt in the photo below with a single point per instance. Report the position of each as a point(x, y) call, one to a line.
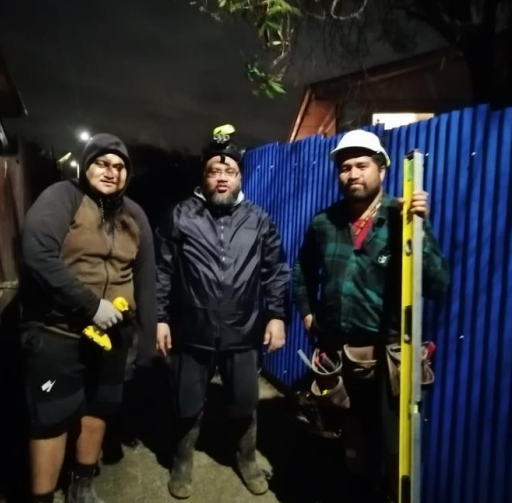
point(48, 385)
point(383, 259)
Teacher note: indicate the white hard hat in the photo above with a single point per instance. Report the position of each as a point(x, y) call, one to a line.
point(358, 138)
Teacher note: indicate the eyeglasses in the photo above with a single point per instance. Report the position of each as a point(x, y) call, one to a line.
point(217, 173)
point(105, 164)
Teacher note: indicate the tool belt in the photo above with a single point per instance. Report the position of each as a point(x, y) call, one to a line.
point(328, 387)
point(358, 364)
point(394, 360)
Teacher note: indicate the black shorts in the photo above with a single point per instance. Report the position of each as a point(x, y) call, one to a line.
point(192, 370)
point(66, 378)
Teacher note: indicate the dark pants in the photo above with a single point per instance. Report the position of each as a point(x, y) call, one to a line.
point(192, 370)
point(370, 431)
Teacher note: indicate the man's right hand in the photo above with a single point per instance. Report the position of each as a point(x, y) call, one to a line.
point(308, 321)
point(107, 315)
point(163, 338)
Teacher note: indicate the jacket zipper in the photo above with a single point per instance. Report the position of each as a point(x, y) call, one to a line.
point(223, 270)
point(107, 275)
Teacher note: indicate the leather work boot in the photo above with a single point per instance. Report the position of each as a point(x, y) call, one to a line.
point(81, 490)
point(251, 474)
point(180, 484)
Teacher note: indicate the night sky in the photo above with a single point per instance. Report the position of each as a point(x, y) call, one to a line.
point(154, 72)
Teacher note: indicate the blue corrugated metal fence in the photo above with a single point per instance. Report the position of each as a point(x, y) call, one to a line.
point(468, 172)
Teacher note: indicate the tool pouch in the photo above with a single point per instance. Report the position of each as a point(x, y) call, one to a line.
point(360, 362)
point(394, 360)
point(328, 387)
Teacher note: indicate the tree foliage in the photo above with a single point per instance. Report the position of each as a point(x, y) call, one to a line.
point(469, 26)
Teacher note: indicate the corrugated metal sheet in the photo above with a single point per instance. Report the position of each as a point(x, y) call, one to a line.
point(468, 417)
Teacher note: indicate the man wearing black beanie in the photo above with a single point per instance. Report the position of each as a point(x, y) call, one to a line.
point(84, 244)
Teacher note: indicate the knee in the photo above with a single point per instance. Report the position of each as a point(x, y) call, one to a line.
point(93, 424)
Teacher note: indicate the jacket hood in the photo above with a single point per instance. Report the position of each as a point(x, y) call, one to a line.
point(98, 145)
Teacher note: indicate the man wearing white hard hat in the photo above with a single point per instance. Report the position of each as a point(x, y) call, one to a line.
point(346, 287)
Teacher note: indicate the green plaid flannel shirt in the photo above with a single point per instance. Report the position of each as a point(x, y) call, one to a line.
point(353, 291)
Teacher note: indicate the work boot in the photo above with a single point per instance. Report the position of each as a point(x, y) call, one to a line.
point(81, 491)
point(180, 484)
point(251, 474)
point(36, 498)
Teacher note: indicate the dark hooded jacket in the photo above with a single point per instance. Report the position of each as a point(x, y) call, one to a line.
point(80, 246)
point(221, 274)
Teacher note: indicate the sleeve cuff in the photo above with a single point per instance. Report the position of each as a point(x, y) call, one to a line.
point(274, 315)
point(92, 309)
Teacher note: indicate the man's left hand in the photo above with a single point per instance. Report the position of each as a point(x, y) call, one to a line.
point(419, 204)
point(275, 336)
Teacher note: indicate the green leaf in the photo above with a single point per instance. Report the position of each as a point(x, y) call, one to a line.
point(276, 87)
point(256, 71)
point(272, 11)
point(269, 93)
point(272, 24)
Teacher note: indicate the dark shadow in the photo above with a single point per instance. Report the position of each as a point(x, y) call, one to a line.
point(14, 478)
point(306, 466)
point(146, 416)
point(161, 178)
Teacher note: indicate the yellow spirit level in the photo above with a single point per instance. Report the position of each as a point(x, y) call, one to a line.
point(410, 370)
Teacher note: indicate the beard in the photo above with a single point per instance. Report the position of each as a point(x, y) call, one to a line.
point(361, 194)
point(226, 200)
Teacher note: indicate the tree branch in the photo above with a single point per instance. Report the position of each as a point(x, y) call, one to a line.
point(354, 15)
point(432, 14)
